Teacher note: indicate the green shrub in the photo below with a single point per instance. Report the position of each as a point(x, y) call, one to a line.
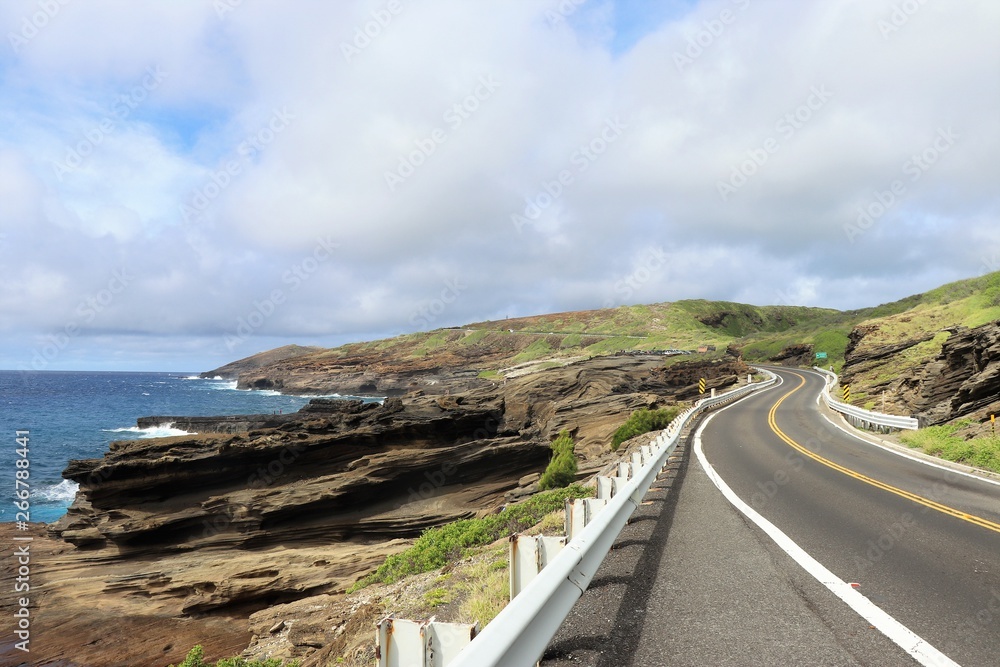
point(642, 421)
point(561, 471)
point(438, 546)
point(942, 441)
point(196, 658)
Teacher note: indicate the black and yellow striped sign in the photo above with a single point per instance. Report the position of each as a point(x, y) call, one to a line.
point(847, 393)
point(702, 385)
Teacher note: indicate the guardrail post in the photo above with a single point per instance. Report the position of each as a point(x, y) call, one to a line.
point(624, 470)
point(580, 512)
point(444, 641)
point(528, 555)
point(404, 643)
point(637, 460)
point(604, 488)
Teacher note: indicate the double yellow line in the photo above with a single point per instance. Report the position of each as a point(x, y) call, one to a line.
point(944, 509)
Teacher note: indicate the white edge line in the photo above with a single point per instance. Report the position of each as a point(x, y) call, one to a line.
point(921, 651)
point(905, 455)
point(892, 450)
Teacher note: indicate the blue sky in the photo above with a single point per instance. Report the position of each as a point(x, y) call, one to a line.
point(188, 183)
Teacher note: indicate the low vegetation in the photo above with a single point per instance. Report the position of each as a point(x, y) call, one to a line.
point(196, 658)
point(943, 441)
point(486, 586)
point(439, 546)
point(536, 350)
point(561, 471)
point(642, 421)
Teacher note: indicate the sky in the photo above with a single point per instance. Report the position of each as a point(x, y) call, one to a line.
point(186, 183)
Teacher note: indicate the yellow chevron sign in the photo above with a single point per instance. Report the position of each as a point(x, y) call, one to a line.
point(847, 393)
point(702, 385)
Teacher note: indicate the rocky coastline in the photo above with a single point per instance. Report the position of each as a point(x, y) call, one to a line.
point(177, 541)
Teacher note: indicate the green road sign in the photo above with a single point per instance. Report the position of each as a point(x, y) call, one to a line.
point(821, 355)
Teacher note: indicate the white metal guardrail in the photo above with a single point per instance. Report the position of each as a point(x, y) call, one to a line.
point(518, 636)
point(859, 416)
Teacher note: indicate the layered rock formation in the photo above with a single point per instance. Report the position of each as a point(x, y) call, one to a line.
point(964, 379)
point(859, 357)
point(797, 354)
point(936, 376)
point(232, 370)
point(176, 541)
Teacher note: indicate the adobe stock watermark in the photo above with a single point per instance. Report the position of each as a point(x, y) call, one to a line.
point(988, 615)
point(425, 147)
point(435, 481)
point(370, 30)
point(33, 24)
point(990, 264)
point(428, 312)
point(702, 39)
point(438, 479)
point(915, 167)
point(890, 537)
point(901, 14)
point(221, 178)
point(786, 126)
point(224, 7)
point(263, 477)
point(653, 261)
point(563, 11)
point(121, 108)
point(794, 461)
point(877, 549)
point(87, 311)
point(294, 277)
point(580, 161)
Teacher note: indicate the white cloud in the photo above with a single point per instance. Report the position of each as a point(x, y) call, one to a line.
point(286, 141)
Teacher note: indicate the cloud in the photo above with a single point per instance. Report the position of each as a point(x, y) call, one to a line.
point(445, 141)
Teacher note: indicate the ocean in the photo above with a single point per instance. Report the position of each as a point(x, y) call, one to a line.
point(75, 415)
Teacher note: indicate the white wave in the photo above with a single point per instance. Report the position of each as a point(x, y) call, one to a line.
point(226, 385)
point(64, 491)
point(192, 377)
point(161, 431)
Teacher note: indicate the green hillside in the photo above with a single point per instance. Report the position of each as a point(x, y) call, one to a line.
point(917, 325)
point(968, 303)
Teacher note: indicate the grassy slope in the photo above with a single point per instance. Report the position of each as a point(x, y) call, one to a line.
point(967, 303)
point(488, 347)
point(760, 331)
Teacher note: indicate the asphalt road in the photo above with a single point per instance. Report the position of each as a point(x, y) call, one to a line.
point(922, 542)
point(692, 581)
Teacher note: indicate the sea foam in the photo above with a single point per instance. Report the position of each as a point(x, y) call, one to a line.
point(161, 431)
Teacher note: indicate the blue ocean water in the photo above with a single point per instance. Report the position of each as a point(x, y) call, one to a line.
point(75, 415)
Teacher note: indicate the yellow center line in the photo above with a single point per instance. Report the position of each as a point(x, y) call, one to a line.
point(944, 509)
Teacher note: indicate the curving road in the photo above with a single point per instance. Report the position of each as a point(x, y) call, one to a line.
point(820, 549)
point(921, 542)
